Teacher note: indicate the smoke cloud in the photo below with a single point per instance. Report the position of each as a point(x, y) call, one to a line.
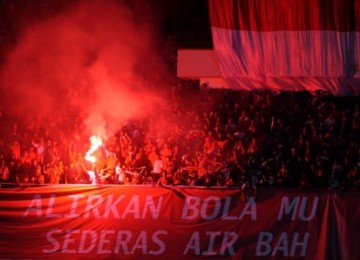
point(92, 60)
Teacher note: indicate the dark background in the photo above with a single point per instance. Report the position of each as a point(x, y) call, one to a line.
point(180, 23)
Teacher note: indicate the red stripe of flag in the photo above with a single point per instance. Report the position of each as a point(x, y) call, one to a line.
point(292, 15)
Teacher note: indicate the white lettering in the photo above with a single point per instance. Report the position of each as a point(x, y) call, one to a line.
point(89, 241)
point(83, 241)
point(249, 209)
point(51, 203)
point(159, 242)
point(313, 210)
point(111, 206)
point(90, 206)
point(75, 201)
point(133, 208)
point(210, 248)
point(35, 205)
point(141, 243)
point(123, 242)
point(53, 241)
point(211, 208)
point(205, 207)
point(225, 215)
point(103, 241)
point(263, 247)
point(228, 241)
point(150, 204)
point(287, 207)
point(303, 244)
point(191, 203)
point(282, 245)
point(194, 244)
point(68, 241)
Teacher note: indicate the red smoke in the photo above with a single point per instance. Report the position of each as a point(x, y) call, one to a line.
point(84, 60)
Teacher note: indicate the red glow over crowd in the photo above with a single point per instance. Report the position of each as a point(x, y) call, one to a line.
point(203, 137)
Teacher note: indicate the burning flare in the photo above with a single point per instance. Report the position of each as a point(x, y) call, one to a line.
point(96, 142)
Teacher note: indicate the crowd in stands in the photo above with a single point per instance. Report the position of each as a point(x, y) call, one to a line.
point(210, 138)
point(202, 137)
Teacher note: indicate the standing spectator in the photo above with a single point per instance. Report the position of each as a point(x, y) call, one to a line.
point(336, 174)
point(14, 148)
point(4, 171)
point(157, 168)
point(40, 150)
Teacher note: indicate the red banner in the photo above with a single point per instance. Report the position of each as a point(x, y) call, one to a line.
point(113, 222)
point(288, 45)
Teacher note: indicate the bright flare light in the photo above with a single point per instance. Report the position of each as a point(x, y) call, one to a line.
point(96, 142)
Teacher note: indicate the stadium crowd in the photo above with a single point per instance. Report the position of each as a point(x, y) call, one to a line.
point(210, 138)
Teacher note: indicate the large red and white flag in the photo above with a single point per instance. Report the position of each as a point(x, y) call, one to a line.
point(288, 44)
